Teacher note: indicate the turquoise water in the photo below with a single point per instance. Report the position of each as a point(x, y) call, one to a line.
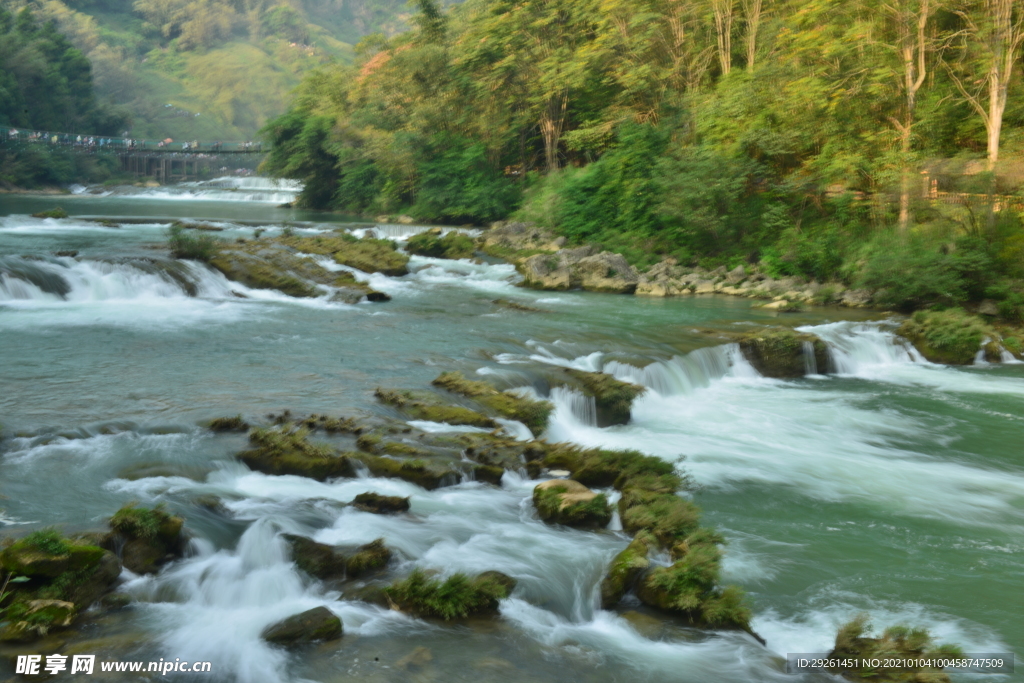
point(894, 487)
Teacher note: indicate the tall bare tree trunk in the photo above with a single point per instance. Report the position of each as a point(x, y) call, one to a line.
point(752, 16)
point(723, 10)
point(551, 124)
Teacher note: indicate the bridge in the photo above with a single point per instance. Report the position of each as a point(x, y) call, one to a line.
point(166, 160)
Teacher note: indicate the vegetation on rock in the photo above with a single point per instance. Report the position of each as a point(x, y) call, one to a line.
point(612, 398)
point(288, 451)
point(368, 558)
point(454, 245)
point(564, 501)
point(422, 406)
point(625, 569)
point(146, 538)
point(51, 213)
point(534, 414)
point(368, 255)
point(186, 244)
point(782, 352)
point(456, 597)
point(897, 642)
point(380, 504)
point(952, 337)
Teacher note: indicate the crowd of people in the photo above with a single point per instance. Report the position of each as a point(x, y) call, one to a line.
point(93, 143)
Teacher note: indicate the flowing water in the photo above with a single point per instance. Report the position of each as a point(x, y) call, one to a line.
point(889, 485)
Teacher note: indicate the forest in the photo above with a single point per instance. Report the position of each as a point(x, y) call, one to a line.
point(810, 137)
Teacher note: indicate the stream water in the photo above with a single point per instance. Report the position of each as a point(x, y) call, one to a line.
point(891, 486)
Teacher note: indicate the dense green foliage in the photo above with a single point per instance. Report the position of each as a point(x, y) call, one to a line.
point(456, 597)
point(790, 134)
point(46, 84)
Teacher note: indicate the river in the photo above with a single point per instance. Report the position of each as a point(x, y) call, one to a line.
point(892, 486)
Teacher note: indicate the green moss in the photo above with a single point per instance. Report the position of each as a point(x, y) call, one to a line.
point(570, 503)
point(48, 541)
point(454, 245)
point(952, 337)
point(625, 569)
point(602, 468)
point(897, 642)
point(188, 245)
point(666, 516)
point(456, 597)
point(367, 255)
point(288, 451)
point(779, 352)
point(426, 407)
point(1013, 344)
point(257, 273)
point(138, 522)
point(51, 213)
point(534, 414)
point(612, 398)
point(368, 558)
point(416, 471)
point(689, 587)
point(228, 424)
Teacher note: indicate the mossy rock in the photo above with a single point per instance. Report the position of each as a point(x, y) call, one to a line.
point(316, 625)
point(690, 588)
point(368, 255)
point(417, 471)
point(897, 642)
point(781, 352)
point(951, 337)
point(380, 504)
point(147, 538)
point(664, 515)
point(601, 468)
point(533, 414)
point(316, 559)
point(57, 212)
point(456, 597)
point(612, 398)
point(228, 424)
point(288, 451)
point(624, 571)
point(564, 501)
point(422, 406)
point(488, 474)
point(454, 245)
point(368, 558)
point(257, 273)
point(30, 620)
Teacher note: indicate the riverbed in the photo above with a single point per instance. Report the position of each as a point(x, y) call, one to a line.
point(886, 485)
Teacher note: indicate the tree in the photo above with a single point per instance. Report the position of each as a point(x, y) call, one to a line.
point(989, 44)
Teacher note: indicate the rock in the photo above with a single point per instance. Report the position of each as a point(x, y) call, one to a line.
point(737, 274)
point(782, 352)
point(855, 298)
point(456, 597)
point(564, 501)
point(146, 538)
point(533, 414)
point(51, 213)
point(378, 504)
point(317, 624)
point(422, 406)
point(612, 398)
point(368, 558)
point(704, 287)
point(624, 571)
point(951, 337)
point(34, 619)
point(228, 424)
point(316, 559)
point(988, 307)
point(506, 238)
point(546, 271)
point(256, 272)
point(648, 288)
point(454, 245)
point(286, 451)
point(606, 272)
point(416, 471)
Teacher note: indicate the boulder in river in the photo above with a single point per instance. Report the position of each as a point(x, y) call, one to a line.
point(533, 414)
point(416, 471)
point(454, 245)
point(782, 352)
point(853, 644)
point(315, 625)
point(951, 337)
point(425, 406)
point(613, 398)
point(624, 571)
point(368, 558)
point(316, 559)
point(146, 538)
point(368, 255)
point(288, 451)
point(580, 267)
point(564, 501)
point(455, 597)
point(380, 504)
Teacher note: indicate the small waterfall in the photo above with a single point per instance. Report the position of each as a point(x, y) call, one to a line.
point(810, 362)
point(402, 232)
point(853, 347)
point(229, 188)
point(979, 357)
point(577, 404)
point(1008, 358)
point(685, 374)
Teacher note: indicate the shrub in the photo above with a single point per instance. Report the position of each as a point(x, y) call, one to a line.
point(456, 597)
point(49, 541)
point(186, 244)
point(136, 522)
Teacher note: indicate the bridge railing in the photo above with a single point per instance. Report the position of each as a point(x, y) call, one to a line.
point(16, 137)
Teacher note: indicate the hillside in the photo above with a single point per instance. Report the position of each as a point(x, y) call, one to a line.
point(210, 69)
